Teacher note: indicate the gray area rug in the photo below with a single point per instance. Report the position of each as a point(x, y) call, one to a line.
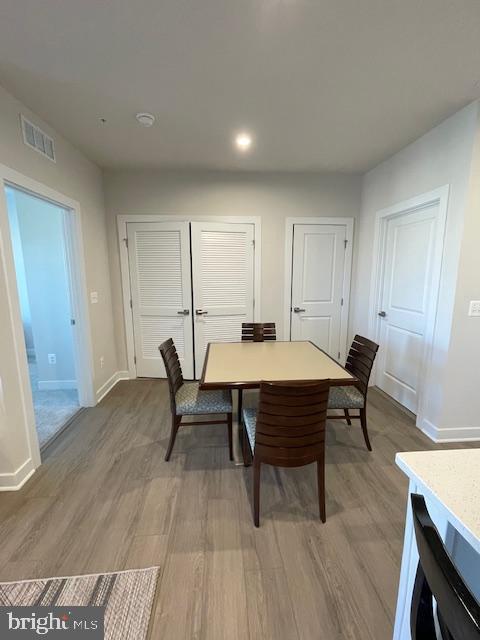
point(127, 597)
point(52, 409)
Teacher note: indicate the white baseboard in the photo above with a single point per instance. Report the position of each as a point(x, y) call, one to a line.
point(56, 385)
point(110, 383)
point(15, 481)
point(450, 434)
point(428, 429)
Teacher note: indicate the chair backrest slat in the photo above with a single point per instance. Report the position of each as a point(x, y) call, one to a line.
point(458, 611)
point(291, 418)
point(365, 343)
point(360, 360)
point(258, 331)
point(173, 368)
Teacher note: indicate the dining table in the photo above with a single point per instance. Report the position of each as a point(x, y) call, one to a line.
point(244, 365)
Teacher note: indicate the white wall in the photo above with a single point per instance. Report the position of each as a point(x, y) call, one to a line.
point(81, 180)
point(442, 156)
point(40, 226)
point(273, 197)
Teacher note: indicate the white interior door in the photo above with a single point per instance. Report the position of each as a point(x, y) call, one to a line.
point(160, 279)
point(404, 302)
point(318, 273)
point(223, 283)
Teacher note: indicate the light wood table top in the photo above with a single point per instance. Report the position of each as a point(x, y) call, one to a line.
point(246, 364)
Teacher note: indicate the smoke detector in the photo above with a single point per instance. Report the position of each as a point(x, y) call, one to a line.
point(145, 119)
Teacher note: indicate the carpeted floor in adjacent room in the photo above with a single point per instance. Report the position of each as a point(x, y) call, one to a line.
point(52, 408)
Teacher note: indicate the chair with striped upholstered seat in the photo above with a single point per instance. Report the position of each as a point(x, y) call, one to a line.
point(186, 398)
point(288, 430)
point(359, 363)
point(255, 332)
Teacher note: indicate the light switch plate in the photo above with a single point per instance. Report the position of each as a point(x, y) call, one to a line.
point(94, 297)
point(474, 308)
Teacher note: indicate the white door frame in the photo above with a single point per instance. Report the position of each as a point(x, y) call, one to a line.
point(287, 299)
point(437, 196)
point(123, 220)
point(78, 288)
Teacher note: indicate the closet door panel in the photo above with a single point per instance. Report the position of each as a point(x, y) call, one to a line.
point(223, 283)
point(160, 280)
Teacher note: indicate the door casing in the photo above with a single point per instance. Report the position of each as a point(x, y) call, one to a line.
point(123, 220)
point(437, 197)
point(289, 227)
point(82, 342)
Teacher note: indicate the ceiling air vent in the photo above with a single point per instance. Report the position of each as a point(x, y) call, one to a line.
point(37, 139)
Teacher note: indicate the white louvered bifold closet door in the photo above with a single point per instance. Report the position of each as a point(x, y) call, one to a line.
point(223, 283)
point(159, 260)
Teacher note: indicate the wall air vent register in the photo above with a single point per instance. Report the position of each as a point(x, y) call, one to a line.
point(37, 139)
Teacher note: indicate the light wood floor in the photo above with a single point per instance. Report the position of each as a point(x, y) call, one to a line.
point(104, 499)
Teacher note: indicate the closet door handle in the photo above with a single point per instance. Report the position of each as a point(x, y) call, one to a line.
point(298, 310)
point(200, 312)
point(185, 312)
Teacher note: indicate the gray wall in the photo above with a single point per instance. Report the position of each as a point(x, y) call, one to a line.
point(460, 409)
point(81, 180)
point(273, 197)
point(442, 156)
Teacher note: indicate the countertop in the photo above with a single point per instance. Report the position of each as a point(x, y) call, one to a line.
point(452, 478)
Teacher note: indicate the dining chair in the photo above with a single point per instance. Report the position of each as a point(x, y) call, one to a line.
point(359, 363)
point(258, 331)
point(187, 399)
point(288, 430)
point(255, 332)
point(458, 611)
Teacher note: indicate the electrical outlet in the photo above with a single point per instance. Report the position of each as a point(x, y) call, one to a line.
point(94, 297)
point(474, 308)
point(102, 362)
point(52, 358)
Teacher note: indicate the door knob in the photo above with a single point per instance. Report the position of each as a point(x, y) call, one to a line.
point(185, 312)
point(382, 314)
point(298, 310)
point(200, 312)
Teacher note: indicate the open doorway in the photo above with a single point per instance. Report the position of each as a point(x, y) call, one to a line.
point(40, 250)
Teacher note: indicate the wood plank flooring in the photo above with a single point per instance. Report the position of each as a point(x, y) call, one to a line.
point(105, 500)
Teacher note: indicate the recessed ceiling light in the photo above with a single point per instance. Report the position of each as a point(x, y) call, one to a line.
point(243, 141)
point(145, 119)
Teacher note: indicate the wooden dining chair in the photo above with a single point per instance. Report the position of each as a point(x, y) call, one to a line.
point(258, 331)
point(187, 399)
point(359, 363)
point(288, 431)
point(458, 611)
point(255, 332)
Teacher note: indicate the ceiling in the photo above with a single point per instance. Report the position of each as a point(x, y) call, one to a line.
point(324, 85)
